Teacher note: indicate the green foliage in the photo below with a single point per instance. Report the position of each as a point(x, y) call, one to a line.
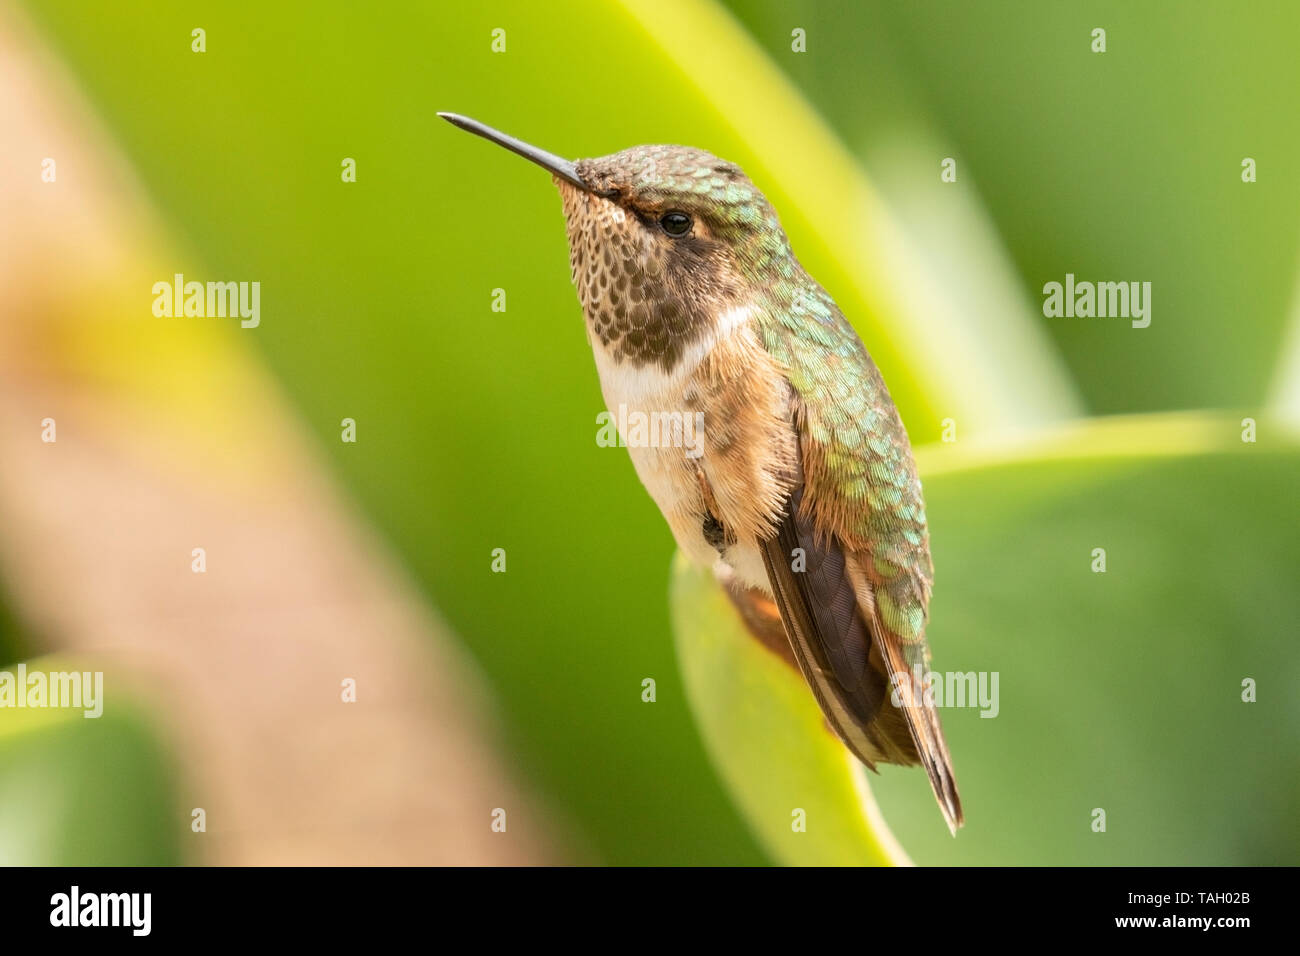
point(1120, 690)
point(85, 792)
point(1123, 165)
point(798, 787)
point(475, 429)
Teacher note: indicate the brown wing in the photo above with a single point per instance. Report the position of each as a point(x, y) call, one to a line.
point(847, 654)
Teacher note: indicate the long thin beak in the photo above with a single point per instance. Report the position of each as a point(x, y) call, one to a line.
point(548, 161)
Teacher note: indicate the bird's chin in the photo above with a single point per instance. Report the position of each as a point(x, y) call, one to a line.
point(571, 192)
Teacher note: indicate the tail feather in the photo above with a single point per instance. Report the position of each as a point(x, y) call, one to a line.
point(855, 666)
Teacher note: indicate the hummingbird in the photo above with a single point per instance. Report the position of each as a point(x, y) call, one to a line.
point(803, 498)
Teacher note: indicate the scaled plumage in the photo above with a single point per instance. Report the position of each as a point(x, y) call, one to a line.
point(804, 496)
point(804, 447)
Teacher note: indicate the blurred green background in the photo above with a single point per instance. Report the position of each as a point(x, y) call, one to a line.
point(476, 427)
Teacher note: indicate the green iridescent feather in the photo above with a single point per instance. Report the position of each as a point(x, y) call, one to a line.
point(860, 478)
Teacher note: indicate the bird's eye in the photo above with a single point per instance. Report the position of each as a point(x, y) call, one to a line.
point(675, 223)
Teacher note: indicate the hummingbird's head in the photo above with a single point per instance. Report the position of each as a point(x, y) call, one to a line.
point(663, 242)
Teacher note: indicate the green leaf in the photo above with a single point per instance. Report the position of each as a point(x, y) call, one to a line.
point(77, 791)
point(796, 785)
point(1116, 166)
point(1119, 690)
point(475, 428)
